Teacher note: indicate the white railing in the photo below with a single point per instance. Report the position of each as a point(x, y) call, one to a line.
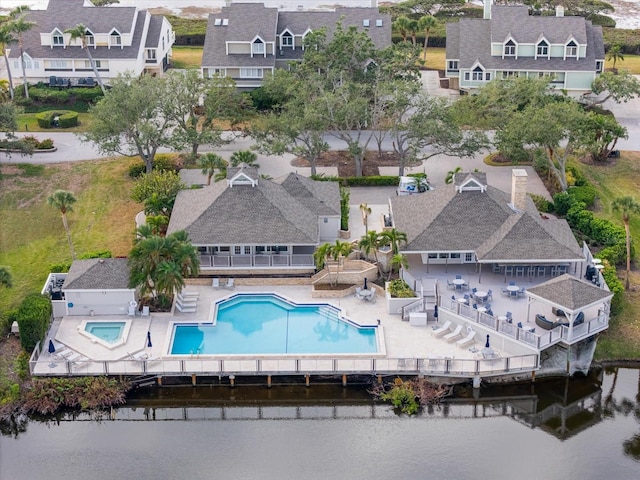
point(203, 365)
point(417, 306)
point(260, 261)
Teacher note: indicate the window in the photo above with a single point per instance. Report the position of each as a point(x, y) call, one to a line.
point(29, 64)
point(151, 54)
point(468, 257)
point(543, 49)
point(487, 76)
point(257, 46)
point(508, 74)
point(599, 66)
point(116, 39)
point(217, 22)
point(453, 65)
point(58, 64)
point(57, 39)
point(443, 256)
point(478, 73)
point(455, 255)
point(217, 72)
point(510, 49)
point(466, 75)
point(286, 40)
point(571, 49)
point(98, 63)
point(91, 40)
point(250, 73)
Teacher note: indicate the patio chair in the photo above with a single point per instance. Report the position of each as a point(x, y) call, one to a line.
point(145, 311)
point(475, 306)
point(138, 356)
point(230, 284)
point(474, 290)
point(521, 292)
point(215, 283)
point(468, 340)
point(453, 336)
point(450, 284)
point(438, 332)
point(509, 316)
point(489, 294)
point(467, 297)
point(512, 283)
point(371, 298)
point(519, 324)
point(505, 291)
point(487, 306)
point(458, 277)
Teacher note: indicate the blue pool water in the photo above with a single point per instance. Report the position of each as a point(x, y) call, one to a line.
point(267, 324)
point(110, 332)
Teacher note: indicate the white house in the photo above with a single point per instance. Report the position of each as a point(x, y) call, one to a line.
point(121, 39)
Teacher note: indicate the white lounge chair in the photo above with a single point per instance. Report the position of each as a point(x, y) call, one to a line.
point(229, 284)
point(452, 336)
point(138, 356)
point(145, 311)
point(215, 283)
point(468, 340)
point(187, 294)
point(438, 332)
point(185, 309)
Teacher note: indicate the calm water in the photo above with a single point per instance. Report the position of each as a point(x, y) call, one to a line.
point(296, 433)
point(110, 332)
point(264, 324)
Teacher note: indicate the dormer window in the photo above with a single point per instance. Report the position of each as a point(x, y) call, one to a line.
point(478, 73)
point(91, 40)
point(286, 40)
point(510, 49)
point(257, 47)
point(571, 50)
point(115, 39)
point(57, 39)
point(542, 49)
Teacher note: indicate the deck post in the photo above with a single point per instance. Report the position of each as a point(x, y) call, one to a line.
point(306, 380)
point(193, 379)
point(533, 376)
point(476, 381)
point(159, 380)
point(232, 379)
point(269, 381)
point(344, 380)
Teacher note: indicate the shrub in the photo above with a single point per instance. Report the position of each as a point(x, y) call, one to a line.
point(96, 254)
point(585, 193)
point(84, 94)
point(344, 208)
point(66, 118)
point(562, 202)
point(542, 204)
point(162, 162)
point(615, 286)
point(33, 318)
point(62, 267)
point(6, 320)
point(398, 288)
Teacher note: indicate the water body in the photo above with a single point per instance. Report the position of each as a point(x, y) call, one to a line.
point(583, 429)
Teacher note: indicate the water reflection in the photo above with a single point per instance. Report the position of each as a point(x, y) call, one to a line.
point(581, 428)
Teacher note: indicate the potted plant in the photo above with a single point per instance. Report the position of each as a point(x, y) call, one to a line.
point(399, 294)
point(344, 213)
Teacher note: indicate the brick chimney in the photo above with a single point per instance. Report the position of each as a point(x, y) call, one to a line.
point(519, 189)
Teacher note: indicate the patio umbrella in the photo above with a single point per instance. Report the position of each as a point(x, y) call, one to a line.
point(486, 345)
point(435, 312)
point(365, 283)
point(52, 347)
point(149, 339)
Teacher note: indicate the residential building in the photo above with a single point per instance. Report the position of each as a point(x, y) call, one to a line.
point(248, 41)
point(249, 225)
point(121, 39)
point(508, 42)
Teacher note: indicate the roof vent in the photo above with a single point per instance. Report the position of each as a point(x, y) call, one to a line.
point(365, 23)
point(225, 22)
point(379, 22)
point(217, 22)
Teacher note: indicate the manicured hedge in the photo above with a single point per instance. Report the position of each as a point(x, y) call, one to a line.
point(33, 317)
point(629, 40)
point(67, 118)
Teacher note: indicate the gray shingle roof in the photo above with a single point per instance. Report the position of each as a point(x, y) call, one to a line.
point(247, 20)
point(66, 14)
point(447, 220)
point(570, 292)
point(98, 274)
point(271, 212)
point(470, 40)
point(154, 31)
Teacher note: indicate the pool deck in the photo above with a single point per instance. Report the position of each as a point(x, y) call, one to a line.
point(403, 345)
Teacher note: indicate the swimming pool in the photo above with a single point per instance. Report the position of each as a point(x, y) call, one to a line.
point(269, 324)
point(109, 334)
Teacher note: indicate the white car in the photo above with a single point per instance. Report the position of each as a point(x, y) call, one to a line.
point(412, 186)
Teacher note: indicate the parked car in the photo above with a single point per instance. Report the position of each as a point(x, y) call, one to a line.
point(412, 186)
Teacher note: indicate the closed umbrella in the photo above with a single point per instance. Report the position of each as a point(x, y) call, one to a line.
point(486, 345)
point(365, 283)
point(149, 339)
point(52, 347)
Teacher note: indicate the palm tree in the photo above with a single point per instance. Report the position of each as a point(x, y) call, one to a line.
point(5, 96)
point(370, 243)
point(614, 54)
point(63, 201)
point(246, 157)
point(366, 211)
point(627, 205)
point(80, 31)
point(339, 251)
point(402, 25)
point(6, 37)
point(393, 238)
point(426, 24)
point(413, 30)
point(5, 277)
point(451, 174)
point(398, 260)
point(19, 25)
point(209, 163)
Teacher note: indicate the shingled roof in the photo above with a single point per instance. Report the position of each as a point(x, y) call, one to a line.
point(271, 212)
point(98, 274)
point(470, 40)
point(569, 292)
point(446, 219)
point(67, 14)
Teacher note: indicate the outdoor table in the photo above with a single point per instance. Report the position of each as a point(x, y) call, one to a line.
point(596, 261)
point(513, 290)
point(366, 293)
point(459, 282)
point(482, 309)
point(462, 300)
point(480, 295)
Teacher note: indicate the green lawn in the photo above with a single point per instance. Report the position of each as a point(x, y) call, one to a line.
point(27, 123)
point(630, 63)
point(435, 58)
point(31, 233)
point(187, 57)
